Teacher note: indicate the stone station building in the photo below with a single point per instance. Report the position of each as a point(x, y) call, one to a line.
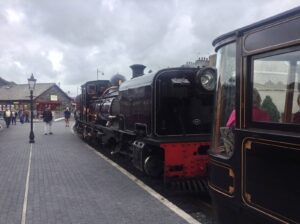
point(16, 96)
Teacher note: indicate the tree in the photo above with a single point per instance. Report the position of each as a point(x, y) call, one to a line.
point(271, 109)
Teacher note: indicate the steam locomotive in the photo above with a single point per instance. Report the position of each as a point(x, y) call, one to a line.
point(162, 120)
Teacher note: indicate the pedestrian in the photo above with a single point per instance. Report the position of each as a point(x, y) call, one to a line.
point(21, 116)
point(7, 117)
point(47, 118)
point(16, 115)
point(67, 115)
point(26, 115)
point(13, 117)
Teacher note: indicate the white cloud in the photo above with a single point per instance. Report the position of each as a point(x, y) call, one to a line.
point(14, 16)
point(110, 4)
point(66, 41)
point(19, 65)
point(56, 58)
point(92, 53)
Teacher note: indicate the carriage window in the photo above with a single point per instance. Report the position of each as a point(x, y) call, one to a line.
point(225, 119)
point(276, 88)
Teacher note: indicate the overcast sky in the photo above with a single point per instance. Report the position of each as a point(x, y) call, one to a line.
point(66, 41)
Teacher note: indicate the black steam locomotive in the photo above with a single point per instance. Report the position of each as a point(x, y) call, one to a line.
point(162, 121)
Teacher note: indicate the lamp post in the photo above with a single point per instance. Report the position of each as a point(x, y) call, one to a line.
point(31, 84)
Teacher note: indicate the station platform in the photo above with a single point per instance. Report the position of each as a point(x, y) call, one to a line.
point(60, 179)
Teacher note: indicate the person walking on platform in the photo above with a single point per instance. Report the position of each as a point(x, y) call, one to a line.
point(7, 117)
point(67, 115)
point(21, 116)
point(47, 118)
point(14, 117)
point(26, 115)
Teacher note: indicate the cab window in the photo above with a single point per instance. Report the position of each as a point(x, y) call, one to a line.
point(91, 89)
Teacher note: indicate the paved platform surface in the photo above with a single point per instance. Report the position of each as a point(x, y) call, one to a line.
point(67, 183)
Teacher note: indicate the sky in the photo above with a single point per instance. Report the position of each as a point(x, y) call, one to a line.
point(67, 41)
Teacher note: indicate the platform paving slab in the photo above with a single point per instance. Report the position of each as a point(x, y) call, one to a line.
point(68, 183)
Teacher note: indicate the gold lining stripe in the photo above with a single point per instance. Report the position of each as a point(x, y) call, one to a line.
point(286, 145)
point(246, 197)
point(261, 210)
point(218, 163)
point(215, 188)
point(240, 66)
point(243, 91)
point(248, 145)
point(231, 173)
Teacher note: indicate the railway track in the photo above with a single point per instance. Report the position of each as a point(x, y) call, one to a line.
point(195, 203)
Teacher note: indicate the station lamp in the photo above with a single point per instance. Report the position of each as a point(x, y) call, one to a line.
point(31, 84)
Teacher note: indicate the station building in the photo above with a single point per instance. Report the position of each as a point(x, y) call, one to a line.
point(16, 96)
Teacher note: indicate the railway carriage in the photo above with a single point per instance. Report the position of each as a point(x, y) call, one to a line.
point(255, 158)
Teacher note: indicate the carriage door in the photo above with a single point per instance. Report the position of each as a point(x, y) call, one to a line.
point(270, 142)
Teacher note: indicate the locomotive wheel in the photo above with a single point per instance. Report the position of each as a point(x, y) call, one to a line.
point(153, 166)
point(94, 140)
point(85, 135)
point(111, 145)
point(80, 132)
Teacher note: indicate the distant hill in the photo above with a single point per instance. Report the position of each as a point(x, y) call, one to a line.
point(3, 82)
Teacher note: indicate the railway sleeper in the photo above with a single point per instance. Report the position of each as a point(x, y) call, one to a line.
point(191, 185)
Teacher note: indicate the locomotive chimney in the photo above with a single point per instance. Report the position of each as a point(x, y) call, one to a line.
point(137, 70)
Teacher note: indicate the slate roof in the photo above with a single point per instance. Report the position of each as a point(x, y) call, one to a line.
point(21, 91)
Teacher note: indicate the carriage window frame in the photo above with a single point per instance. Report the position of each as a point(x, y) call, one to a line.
point(276, 126)
point(223, 144)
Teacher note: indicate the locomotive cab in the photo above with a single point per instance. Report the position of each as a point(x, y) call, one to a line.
point(182, 105)
point(86, 116)
point(90, 92)
point(255, 153)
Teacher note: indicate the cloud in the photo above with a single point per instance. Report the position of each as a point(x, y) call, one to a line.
point(56, 57)
point(67, 41)
point(14, 16)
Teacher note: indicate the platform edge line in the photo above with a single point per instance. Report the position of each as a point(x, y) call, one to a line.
point(24, 211)
point(152, 192)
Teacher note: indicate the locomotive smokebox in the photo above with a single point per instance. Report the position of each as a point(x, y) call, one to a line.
point(137, 70)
